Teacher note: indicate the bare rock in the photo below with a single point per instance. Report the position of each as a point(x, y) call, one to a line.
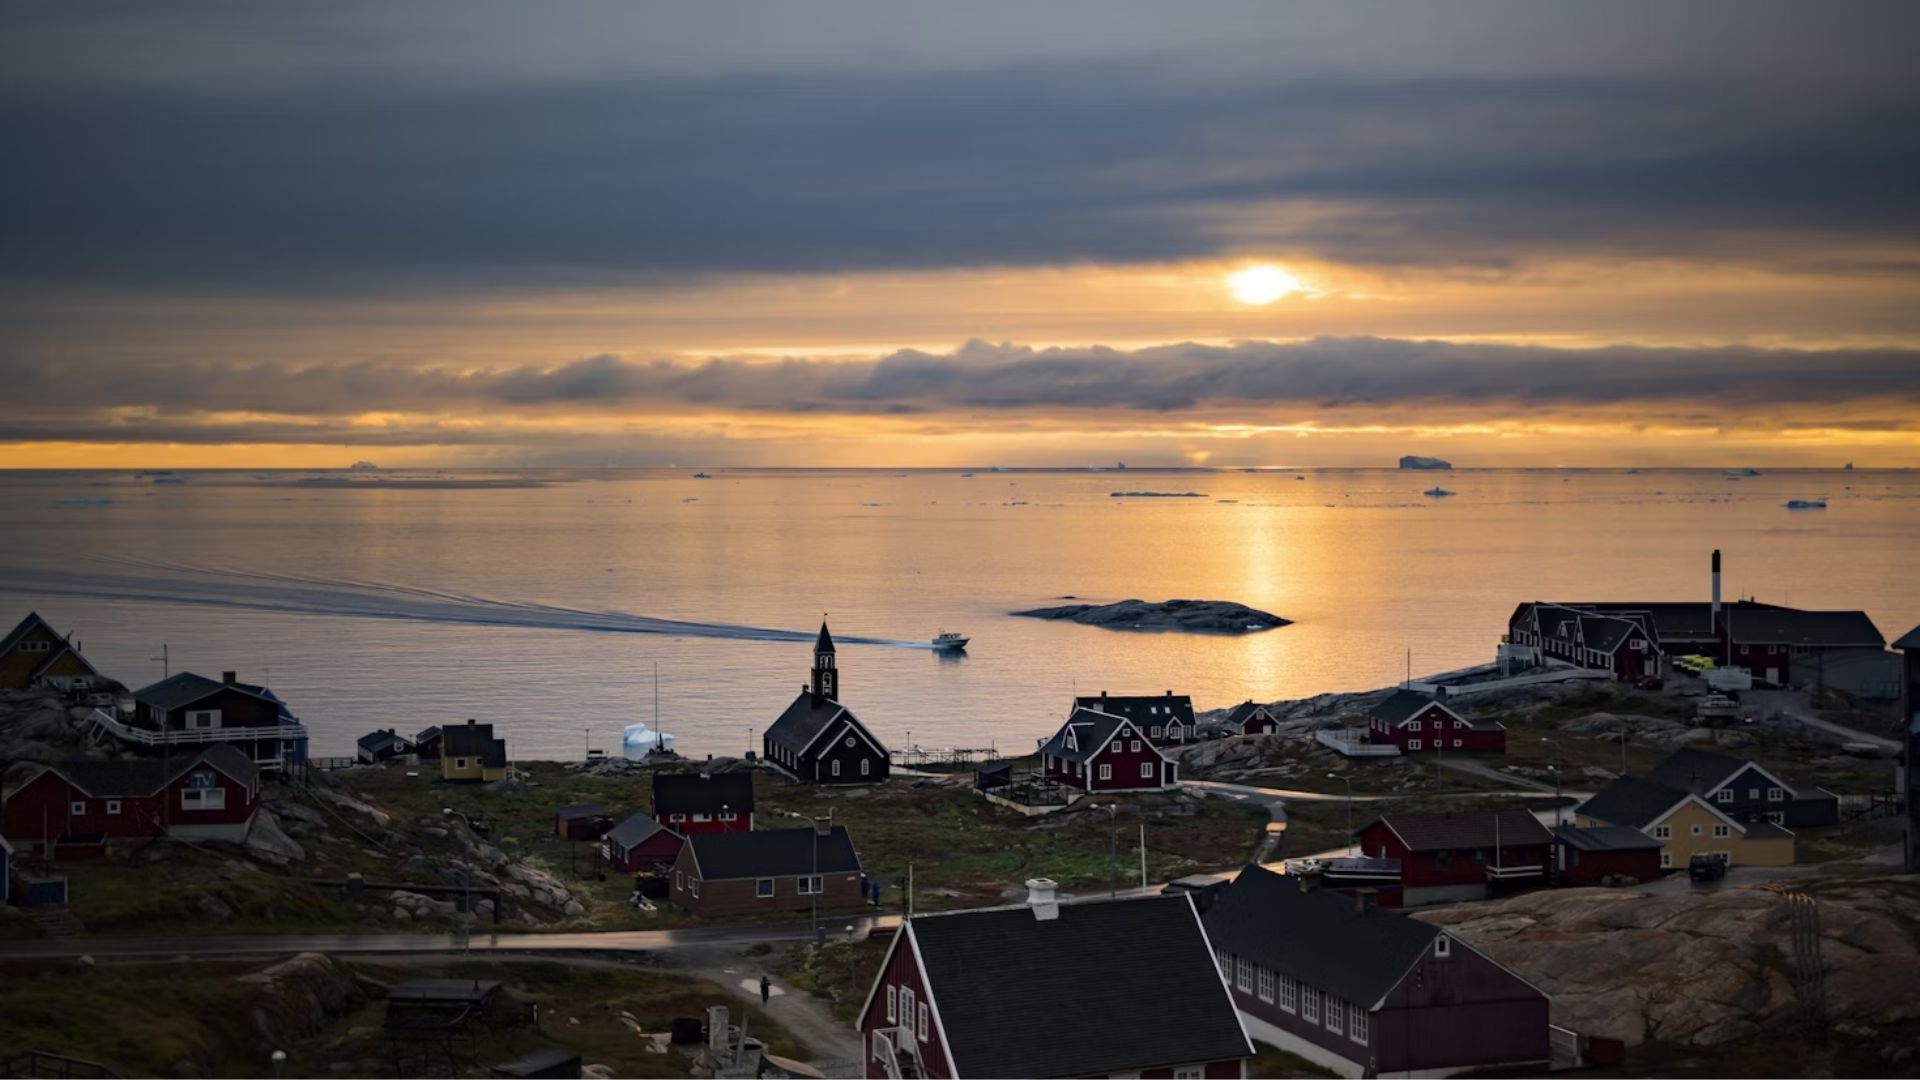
point(269, 843)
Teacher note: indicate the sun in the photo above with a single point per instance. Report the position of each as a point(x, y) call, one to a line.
point(1262, 284)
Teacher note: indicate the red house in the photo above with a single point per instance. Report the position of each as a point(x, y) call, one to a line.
point(1590, 856)
point(1167, 719)
point(1417, 724)
point(428, 743)
point(691, 803)
point(1461, 855)
point(1365, 992)
point(1095, 751)
point(642, 845)
point(209, 795)
point(1095, 988)
point(1250, 719)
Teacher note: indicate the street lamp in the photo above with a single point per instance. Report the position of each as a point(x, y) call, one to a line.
point(279, 1059)
point(1349, 782)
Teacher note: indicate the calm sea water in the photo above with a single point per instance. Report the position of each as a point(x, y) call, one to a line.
point(547, 610)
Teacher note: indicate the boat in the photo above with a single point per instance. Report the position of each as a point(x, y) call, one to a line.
point(1735, 474)
point(966, 476)
point(1436, 492)
point(1805, 504)
point(950, 642)
point(701, 476)
point(1848, 465)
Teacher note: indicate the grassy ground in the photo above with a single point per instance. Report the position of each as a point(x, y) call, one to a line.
point(197, 1019)
point(824, 971)
point(1271, 1061)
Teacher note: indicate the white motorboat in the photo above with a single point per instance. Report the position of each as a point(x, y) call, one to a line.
point(949, 641)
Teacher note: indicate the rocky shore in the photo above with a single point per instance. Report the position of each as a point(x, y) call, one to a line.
point(1187, 616)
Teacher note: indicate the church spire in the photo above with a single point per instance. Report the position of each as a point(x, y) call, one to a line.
point(826, 675)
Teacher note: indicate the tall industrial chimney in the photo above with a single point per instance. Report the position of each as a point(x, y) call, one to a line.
point(1716, 587)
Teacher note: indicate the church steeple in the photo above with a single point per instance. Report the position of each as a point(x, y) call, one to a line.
point(826, 676)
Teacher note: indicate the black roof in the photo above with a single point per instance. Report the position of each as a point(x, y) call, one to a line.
point(1451, 830)
point(1786, 626)
point(1318, 936)
point(1688, 769)
point(435, 990)
point(773, 853)
point(1631, 800)
point(144, 776)
point(14, 635)
point(635, 830)
point(1243, 712)
point(186, 688)
point(1605, 838)
point(1605, 632)
point(375, 740)
point(807, 717)
point(823, 643)
point(426, 733)
point(1402, 705)
point(1091, 730)
point(702, 793)
point(473, 740)
point(580, 812)
point(1146, 710)
point(1108, 986)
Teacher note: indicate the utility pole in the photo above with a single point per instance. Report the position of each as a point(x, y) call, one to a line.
point(1113, 847)
point(1349, 782)
point(1143, 855)
point(166, 665)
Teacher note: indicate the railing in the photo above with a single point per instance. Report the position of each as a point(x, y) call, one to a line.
point(38, 1063)
point(111, 724)
point(1338, 742)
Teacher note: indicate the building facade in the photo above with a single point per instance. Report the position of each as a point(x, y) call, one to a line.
point(742, 873)
point(1167, 718)
point(818, 740)
point(691, 803)
point(1417, 723)
point(1461, 855)
point(1095, 752)
point(75, 806)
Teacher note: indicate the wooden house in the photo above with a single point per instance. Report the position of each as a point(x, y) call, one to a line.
point(1461, 854)
point(1096, 988)
point(1365, 992)
point(183, 712)
point(642, 845)
point(817, 740)
point(1419, 723)
point(1685, 824)
point(33, 654)
point(691, 803)
point(739, 873)
point(81, 805)
point(582, 822)
point(1592, 855)
point(1167, 719)
point(1248, 718)
point(378, 746)
point(1097, 752)
point(1745, 791)
point(427, 744)
point(470, 752)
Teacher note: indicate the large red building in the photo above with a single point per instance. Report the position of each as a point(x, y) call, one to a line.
point(1417, 723)
point(1095, 751)
point(1461, 855)
point(77, 806)
point(1095, 988)
point(690, 803)
point(1166, 718)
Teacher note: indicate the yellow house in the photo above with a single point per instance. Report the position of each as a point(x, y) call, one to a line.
point(33, 654)
point(1686, 825)
point(470, 752)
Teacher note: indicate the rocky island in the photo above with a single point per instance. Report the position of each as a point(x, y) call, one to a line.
point(1190, 616)
point(1415, 461)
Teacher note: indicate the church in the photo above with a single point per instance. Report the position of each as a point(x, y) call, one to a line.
point(818, 740)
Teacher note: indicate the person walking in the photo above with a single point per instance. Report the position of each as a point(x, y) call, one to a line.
point(766, 989)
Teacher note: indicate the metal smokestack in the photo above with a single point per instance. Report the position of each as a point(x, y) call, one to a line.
point(1716, 587)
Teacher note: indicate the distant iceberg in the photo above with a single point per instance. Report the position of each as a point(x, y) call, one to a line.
point(1805, 504)
point(642, 735)
point(1415, 461)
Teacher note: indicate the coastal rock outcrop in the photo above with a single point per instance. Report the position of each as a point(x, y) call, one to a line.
point(1415, 461)
point(1190, 616)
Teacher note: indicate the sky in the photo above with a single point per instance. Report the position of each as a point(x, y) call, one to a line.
point(913, 234)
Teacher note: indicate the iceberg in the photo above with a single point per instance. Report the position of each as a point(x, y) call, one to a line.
point(642, 735)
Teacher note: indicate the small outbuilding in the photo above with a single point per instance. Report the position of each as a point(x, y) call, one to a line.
point(584, 822)
point(1590, 856)
point(641, 844)
point(376, 747)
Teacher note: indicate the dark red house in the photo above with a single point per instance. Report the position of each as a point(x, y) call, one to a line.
point(642, 845)
point(1248, 718)
point(1094, 751)
point(691, 803)
point(1366, 992)
point(428, 743)
point(1167, 719)
point(1095, 988)
point(185, 712)
point(1418, 723)
point(772, 870)
point(1589, 856)
point(78, 805)
point(1461, 855)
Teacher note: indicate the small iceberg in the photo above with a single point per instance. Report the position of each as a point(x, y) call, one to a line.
point(1805, 504)
point(642, 735)
point(1436, 492)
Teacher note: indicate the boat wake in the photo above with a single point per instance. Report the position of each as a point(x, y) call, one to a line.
point(158, 582)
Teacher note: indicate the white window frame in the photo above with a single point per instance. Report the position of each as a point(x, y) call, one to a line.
point(1146, 770)
point(1753, 793)
point(1663, 832)
point(1456, 742)
point(1309, 1004)
point(1243, 974)
point(892, 1001)
point(703, 817)
point(728, 815)
point(1414, 726)
point(1106, 771)
point(214, 798)
point(77, 807)
point(1725, 794)
point(1442, 947)
point(679, 880)
point(1775, 794)
point(459, 763)
point(1357, 1024)
point(1335, 1015)
point(923, 1021)
point(1188, 1072)
point(1413, 744)
point(836, 767)
point(201, 720)
point(1153, 732)
point(1666, 860)
point(675, 818)
point(113, 806)
point(866, 767)
point(1289, 993)
point(1134, 746)
point(1721, 832)
point(763, 888)
point(693, 886)
point(1776, 817)
point(1697, 830)
point(1263, 983)
point(1225, 960)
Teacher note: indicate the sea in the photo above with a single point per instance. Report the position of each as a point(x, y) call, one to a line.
point(564, 605)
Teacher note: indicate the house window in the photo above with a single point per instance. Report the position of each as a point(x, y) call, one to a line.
point(1663, 832)
point(461, 763)
point(763, 888)
point(676, 817)
point(891, 996)
point(1289, 992)
point(693, 885)
point(1310, 1004)
point(1146, 770)
point(1413, 744)
point(679, 880)
point(836, 767)
point(202, 719)
point(1243, 975)
point(1189, 1072)
point(906, 1007)
point(1696, 830)
point(1415, 725)
point(1264, 980)
point(1135, 747)
point(923, 1021)
point(1153, 732)
point(1443, 947)
point(203, 799)
point(1725, 794)
point(728, 815)
point(1666, 860)
point(865, 766)
point(1357, 1024)
point(1721, 832)
point(1456, 742)
point(1106, 772)
point(113, 806)
point(702, 817)
point(79, 807)
point(1753, 793)
point(1226, 963)
point(1336, 1014)
point(849, 741)
point(1774, 794)
point(1776, 817)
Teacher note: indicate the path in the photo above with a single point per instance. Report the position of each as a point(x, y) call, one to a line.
point(1488, 772)
point(1793, 706)
point(810, 1019)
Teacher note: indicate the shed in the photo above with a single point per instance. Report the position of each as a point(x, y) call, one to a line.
point(584, 822)
point(437, 1005)
point(1589, 856)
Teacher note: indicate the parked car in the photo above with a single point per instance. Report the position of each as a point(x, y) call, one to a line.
point(1707, 866)
point(1717, 705)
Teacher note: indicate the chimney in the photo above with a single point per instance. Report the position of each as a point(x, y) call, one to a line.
point(1040, 898)
point(823, 826)
point(229, 677)
point(1169, 693)
point(1103, 695)
point(1716, 587)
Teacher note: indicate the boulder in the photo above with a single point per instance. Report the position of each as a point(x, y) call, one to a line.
point(298, 997)
point(269, 843)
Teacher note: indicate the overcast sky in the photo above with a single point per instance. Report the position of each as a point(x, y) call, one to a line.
point(755, 233)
